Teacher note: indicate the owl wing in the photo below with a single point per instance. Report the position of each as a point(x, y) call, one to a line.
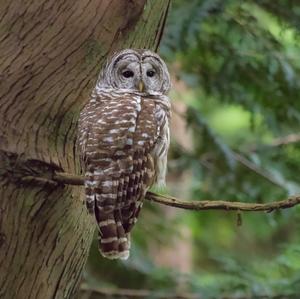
point(118, 133)
point(145, 137)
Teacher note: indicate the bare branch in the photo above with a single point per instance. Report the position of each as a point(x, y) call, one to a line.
point(68, 179)
point(197, 205)
point(261, 172)
point(280, 141)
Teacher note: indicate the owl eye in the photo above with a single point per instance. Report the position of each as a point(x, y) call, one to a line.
point(128, 74)
point(150, 73)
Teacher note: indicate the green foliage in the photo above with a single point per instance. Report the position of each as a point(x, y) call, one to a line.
point(240, 63)
point(238, 54)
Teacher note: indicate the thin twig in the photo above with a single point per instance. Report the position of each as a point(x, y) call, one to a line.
point(197, 205)
point(253, 167)
point(288, 139)
point(280, 141)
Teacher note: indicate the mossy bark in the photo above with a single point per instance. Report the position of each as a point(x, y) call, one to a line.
point(50, 55)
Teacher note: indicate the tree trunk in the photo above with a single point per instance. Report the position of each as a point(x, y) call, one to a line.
point(50, 55)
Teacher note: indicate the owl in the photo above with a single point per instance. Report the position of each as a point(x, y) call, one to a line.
point(123, 142)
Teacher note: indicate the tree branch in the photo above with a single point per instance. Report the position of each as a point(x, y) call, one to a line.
point(277, 142)
point(197, 205)
point(261, 172)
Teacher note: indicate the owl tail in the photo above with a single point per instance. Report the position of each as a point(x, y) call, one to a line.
point(113, 242)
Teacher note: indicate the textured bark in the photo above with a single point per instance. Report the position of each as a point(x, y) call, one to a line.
point(50, 54)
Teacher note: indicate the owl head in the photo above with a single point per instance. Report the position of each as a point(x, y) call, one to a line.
point(136, 70)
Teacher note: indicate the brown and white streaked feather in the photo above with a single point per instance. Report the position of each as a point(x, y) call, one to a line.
point(123, 142)
point(123, 157)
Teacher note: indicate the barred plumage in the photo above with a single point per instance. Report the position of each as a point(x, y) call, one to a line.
point(123, 140)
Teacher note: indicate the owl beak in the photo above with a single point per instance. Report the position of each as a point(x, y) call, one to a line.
point(141, 86)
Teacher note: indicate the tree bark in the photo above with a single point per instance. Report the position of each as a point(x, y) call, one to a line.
point(50, 55)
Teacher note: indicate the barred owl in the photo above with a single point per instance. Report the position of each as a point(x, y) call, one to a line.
point(123, 143)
